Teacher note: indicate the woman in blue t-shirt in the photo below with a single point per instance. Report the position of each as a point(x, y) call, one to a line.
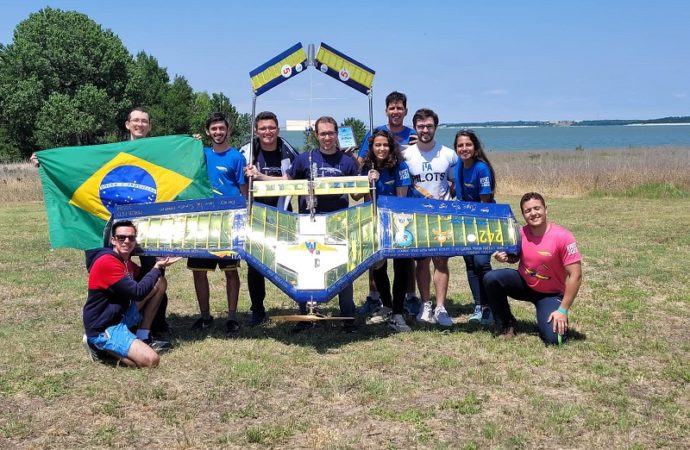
point(385, 165)
point(475, 182)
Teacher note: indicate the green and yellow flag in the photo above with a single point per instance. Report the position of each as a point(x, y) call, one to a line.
point(82, 185)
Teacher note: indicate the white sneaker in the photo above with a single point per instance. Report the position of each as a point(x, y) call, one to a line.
point(381, 315)
point(397, 323)
point(426, 314)
point(441, 317)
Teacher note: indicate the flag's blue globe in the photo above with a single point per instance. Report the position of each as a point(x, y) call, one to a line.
point(125, 185)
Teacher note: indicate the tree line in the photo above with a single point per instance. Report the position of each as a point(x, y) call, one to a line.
point(64, 80)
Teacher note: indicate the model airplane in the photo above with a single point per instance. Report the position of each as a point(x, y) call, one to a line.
point(311, 257)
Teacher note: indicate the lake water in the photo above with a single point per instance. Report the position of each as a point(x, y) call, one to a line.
point(561, 138)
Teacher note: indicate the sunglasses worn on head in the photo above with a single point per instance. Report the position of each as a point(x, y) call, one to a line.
point(121, 238)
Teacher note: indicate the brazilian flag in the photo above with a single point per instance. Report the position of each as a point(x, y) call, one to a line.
point(82, 185)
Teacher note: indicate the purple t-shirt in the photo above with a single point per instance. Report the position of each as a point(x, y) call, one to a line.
point(336, 165)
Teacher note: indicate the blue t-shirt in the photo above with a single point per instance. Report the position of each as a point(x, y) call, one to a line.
point(473, 182)
point(336, 165)
point(391, 179)
point(402, 138)
point(225, 171)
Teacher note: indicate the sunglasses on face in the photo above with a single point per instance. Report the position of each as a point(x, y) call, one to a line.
point(121, 238)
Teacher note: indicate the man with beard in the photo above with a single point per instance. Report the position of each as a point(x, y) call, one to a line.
point(326, 161)
point(432, 167)
point(225, 166)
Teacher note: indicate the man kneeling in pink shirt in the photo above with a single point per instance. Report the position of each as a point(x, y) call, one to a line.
point(549, 274)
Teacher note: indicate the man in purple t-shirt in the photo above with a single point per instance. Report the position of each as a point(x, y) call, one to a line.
point(326, 161)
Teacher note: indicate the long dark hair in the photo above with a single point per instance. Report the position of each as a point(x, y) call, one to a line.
point(479, 154)
point(394, 156)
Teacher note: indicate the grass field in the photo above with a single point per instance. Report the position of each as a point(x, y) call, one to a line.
point(623, 382)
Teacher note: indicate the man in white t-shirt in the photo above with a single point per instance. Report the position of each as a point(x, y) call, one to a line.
point(432, 169)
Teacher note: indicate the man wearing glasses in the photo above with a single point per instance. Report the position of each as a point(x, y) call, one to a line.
point(432, 169)
point(268, 159)
point(326, 161)
point(116, 303)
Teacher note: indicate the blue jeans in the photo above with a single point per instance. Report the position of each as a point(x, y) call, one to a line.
point(503, 283)
point(345, 299)
point(477, 267)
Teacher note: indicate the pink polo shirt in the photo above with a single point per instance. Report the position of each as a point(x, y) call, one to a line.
point(543, 258)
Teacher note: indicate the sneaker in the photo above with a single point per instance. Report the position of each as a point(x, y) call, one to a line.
point(426, 314)
point(158, 345)
point(381, 315)
point(90, 351)
point(487, 316)
point(97, 355)
point(202, 324)
point(441, 317)
point(397, 323)
point(412, 305)
point(257, 319)
point(476, 316)
point(369, 307)
point(232, 326)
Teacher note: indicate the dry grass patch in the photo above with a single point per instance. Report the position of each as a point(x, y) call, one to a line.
point(19, 182)
point(578, 173)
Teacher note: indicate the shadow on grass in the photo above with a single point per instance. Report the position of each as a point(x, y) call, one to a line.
point(322, 336)
point(531, 328)
point(326, 335)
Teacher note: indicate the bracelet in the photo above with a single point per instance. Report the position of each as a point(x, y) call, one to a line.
point(562, 311)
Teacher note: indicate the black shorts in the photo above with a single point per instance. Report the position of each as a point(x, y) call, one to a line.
point(210, 264)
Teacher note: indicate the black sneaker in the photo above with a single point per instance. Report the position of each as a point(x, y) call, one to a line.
point(202, 324)
point(158, 345)
point(257, 319)
point(232, 326)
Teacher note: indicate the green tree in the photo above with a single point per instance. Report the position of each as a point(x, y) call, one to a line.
point(172, 114)
point(147, 82)
point(8, 152)
point(310, 140)
point(67, 55)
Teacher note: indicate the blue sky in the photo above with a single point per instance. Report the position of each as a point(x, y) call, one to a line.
point(469, 61)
